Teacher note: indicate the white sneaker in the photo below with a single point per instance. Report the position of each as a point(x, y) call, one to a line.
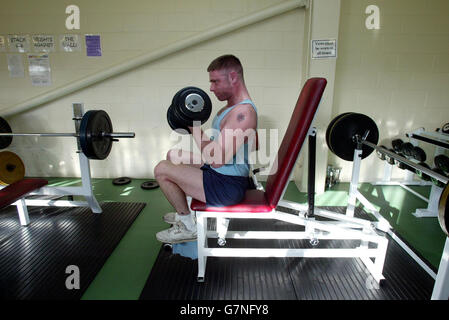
point(178, 233)
point(171, 217)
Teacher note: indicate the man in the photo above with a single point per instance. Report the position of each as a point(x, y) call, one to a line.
point(219, 176)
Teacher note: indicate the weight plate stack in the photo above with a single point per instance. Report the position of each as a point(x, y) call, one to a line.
point(93, 125)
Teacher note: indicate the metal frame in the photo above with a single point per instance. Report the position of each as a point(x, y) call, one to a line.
point(85, 190)
point(341, 227)
point(441, 287)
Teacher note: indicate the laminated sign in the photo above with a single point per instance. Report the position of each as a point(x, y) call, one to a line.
point(322, 49)
point(70, 42)
point(39, 69)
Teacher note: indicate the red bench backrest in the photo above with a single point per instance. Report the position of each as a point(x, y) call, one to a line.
point(303, 114)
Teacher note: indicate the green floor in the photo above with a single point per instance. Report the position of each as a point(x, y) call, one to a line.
point(124, 274)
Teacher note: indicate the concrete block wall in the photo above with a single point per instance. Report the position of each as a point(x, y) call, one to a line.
point(137, 100)
point(398, 74)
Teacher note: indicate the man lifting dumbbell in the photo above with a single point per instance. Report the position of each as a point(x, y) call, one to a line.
point(219, 176)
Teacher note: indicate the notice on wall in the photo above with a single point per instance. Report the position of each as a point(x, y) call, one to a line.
point(43, 43)
point(15, 65)
point(322, 49)
point(93, 45)
point(39, 68)
point(2, 44)
point(70, 43)
point(18, 43)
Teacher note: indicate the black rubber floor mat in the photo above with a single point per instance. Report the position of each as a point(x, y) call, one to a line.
point(34, 259)
point(174, 277)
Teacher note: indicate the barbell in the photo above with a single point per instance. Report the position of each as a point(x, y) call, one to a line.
point(352, 131)
point(95, 134)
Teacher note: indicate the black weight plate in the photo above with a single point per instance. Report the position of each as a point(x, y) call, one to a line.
point(442, 162)
point(121, 181)
point(180, 104)
point(419, 154)
point(175, 123)
point(407, 148)
point(397, 144)
point(330, 126)
point(148, 185)
point(443, 210)
point(344, 129)
point(94, 145)
point(5, 141)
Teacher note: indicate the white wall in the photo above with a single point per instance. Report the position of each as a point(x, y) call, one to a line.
point(271, 53)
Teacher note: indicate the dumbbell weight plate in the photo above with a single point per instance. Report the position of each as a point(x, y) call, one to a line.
point(193, 103)
point(442, 162)
point(175, 123)
point(419, 154)
point(397, 144)
point(407, 149)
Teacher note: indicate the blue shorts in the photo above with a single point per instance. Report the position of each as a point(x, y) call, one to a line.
point(222, 190)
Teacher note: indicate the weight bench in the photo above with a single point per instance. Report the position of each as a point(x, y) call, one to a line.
point(260, 204)
point(15, 194)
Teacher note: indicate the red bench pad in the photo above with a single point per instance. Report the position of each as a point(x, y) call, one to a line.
point(254, 201)
point(18, 189)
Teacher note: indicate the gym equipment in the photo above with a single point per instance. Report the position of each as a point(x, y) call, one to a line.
point(262, 204)
point(419, 154)
point(354, 133)
point(121, 181)
point(95, 134)
point(355, 130)
point(360, 140)
point(380, 155)
point(149, 185)
point(442, 162)
point(397, 144)
point(445, 128)
point(189, 105)
point(12, 168)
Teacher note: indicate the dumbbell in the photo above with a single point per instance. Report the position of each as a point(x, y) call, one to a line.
point(419, 154)
point(397, 144)
point(442, 162)
point(188, 105)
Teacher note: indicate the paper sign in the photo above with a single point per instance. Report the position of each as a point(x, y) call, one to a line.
point(39, 68)
point(15, 65)
point(70, 42)
point(43, 43)
point(93, 46)
point(2, 44)
point(324, 49)
point(18, 43)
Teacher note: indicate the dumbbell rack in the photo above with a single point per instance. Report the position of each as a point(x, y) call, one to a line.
point(441, 142)
point(85, 190)
point(441, 286)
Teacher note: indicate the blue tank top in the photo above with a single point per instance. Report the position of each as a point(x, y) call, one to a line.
point(239, 164)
